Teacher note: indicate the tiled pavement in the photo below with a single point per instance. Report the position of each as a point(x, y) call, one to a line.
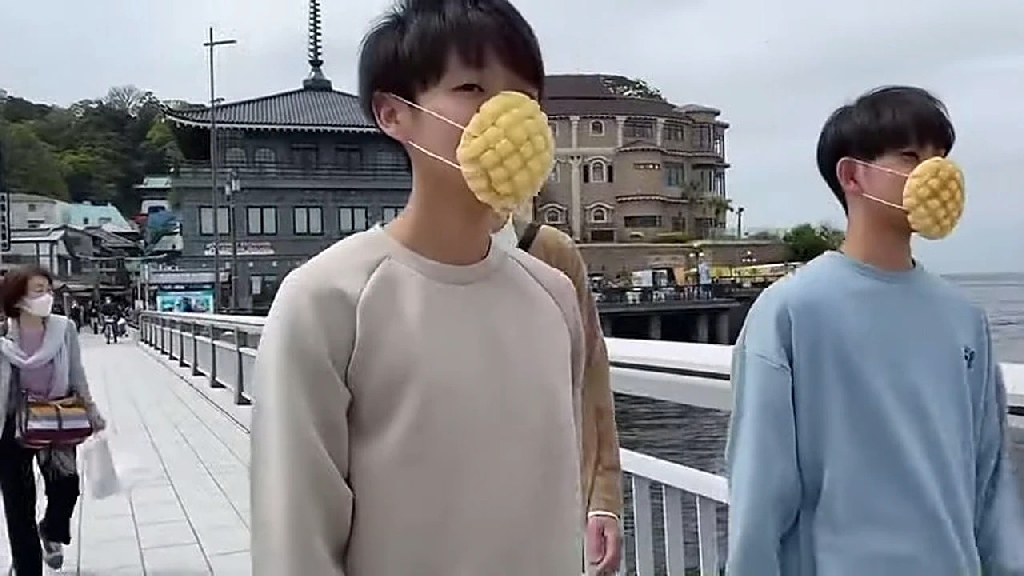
point(188, 514)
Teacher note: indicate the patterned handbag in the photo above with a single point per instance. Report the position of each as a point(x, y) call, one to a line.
point(45, 423)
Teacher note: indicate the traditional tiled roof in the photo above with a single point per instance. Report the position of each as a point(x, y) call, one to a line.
point(303, 109)
point(596, 95)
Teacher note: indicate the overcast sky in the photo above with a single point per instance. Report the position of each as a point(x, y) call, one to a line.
point(775, 67)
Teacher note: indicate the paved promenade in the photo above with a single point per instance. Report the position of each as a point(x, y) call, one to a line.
point(189, 513)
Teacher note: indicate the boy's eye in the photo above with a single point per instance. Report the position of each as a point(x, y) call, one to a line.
point(469, 88)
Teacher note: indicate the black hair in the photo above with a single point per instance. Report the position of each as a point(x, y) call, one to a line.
point(881, 121)
point(408, 50)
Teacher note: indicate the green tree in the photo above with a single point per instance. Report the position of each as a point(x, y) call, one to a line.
point(807, 241)
point(32, 167)
point(160, 150)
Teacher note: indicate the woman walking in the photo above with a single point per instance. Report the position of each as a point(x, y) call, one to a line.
point(40, 359)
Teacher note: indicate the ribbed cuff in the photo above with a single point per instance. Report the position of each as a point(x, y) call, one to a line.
point(604, 513)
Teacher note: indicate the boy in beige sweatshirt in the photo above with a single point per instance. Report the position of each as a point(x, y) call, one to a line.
point(399, 429)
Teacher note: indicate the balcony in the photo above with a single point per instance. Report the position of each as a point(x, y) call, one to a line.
point(280, 175)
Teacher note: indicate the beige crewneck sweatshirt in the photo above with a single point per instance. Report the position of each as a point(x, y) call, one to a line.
point(418, 419)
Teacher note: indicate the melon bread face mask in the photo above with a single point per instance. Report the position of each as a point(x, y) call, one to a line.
point(506, 151)
point(933, 196)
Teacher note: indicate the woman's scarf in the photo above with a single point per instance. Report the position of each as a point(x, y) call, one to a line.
point(56, 459)
point(51, 350)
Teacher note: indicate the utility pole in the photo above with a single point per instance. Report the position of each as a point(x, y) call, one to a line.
point(212, 44)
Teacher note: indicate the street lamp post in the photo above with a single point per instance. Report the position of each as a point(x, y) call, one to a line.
point(739, 222)
point(231, 189)
point(211, 44)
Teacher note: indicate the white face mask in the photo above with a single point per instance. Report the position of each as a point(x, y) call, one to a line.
point(506, 236)
point(40, 306)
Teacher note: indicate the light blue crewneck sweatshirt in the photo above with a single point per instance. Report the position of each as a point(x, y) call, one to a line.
point(868, 431)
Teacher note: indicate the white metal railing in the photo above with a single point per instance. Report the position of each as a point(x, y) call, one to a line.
point(223, 349)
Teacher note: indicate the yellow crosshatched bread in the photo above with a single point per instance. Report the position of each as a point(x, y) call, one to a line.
point(506, 151)
point(934, 197)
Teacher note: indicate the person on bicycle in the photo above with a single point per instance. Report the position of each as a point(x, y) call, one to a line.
point(109, 314)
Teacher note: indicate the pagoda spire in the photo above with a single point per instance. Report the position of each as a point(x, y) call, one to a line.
point(316, 79)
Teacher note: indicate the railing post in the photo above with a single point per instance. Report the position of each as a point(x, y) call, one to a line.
point(163, 336)
point(672, 508)
point(214, 382)
point(172, 324)
point(240, 398)
point(707, 535)
point(181, 344)
point(643, 526)
point(195, 349)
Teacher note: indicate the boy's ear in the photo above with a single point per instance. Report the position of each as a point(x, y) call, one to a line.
point(848, 175)
point(390, 114)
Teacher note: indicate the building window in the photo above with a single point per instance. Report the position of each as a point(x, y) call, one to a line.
point(675, 174)
point(304, 156)
point(596, 128)
point(674, 133)
point(646, 221)
point(718, 184)
point(349, 158)
point(719, 145)
point(599, 215)
point(352, 219)
point(642, 129)
point(235, 156)
point(598, 172)
point(602, 235)
point(261, 220)
point(264, 156)
point(262, 288)
point(206, 220)
point(554, 128)
point(308, 220)
point(553, 215)
point(553, 177)
point(702, 138)
point(389, 213)
point(392, 159)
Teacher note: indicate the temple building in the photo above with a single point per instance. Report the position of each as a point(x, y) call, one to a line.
point(291, 173)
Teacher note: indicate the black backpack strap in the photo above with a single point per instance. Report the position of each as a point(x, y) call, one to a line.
point(526, 241)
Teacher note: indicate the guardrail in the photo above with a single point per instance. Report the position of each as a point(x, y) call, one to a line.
point(223, 350)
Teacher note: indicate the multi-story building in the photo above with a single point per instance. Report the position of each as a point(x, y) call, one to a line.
point(631, 166)
point(33, 212)
point(296, 171)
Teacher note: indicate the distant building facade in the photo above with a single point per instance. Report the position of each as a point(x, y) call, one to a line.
point(33, 212)
point(630, 165)
point(307, 169)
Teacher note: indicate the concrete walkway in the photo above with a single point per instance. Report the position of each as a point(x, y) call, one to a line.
point(189, 512)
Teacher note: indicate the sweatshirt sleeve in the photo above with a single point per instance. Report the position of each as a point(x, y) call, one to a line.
point(301, 501)
point(1000, 517)
point(764, 482)
point(601, 439)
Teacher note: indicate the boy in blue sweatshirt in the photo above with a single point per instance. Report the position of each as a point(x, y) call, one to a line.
point(868, 432)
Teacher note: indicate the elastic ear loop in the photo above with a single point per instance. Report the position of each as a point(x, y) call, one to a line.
point(883, 169)
point(439, 117)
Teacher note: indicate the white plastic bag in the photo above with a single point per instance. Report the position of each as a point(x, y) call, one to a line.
point(108, 466)
point(98, 468)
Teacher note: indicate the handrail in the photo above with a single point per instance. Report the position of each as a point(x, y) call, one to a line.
point(217, 346)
